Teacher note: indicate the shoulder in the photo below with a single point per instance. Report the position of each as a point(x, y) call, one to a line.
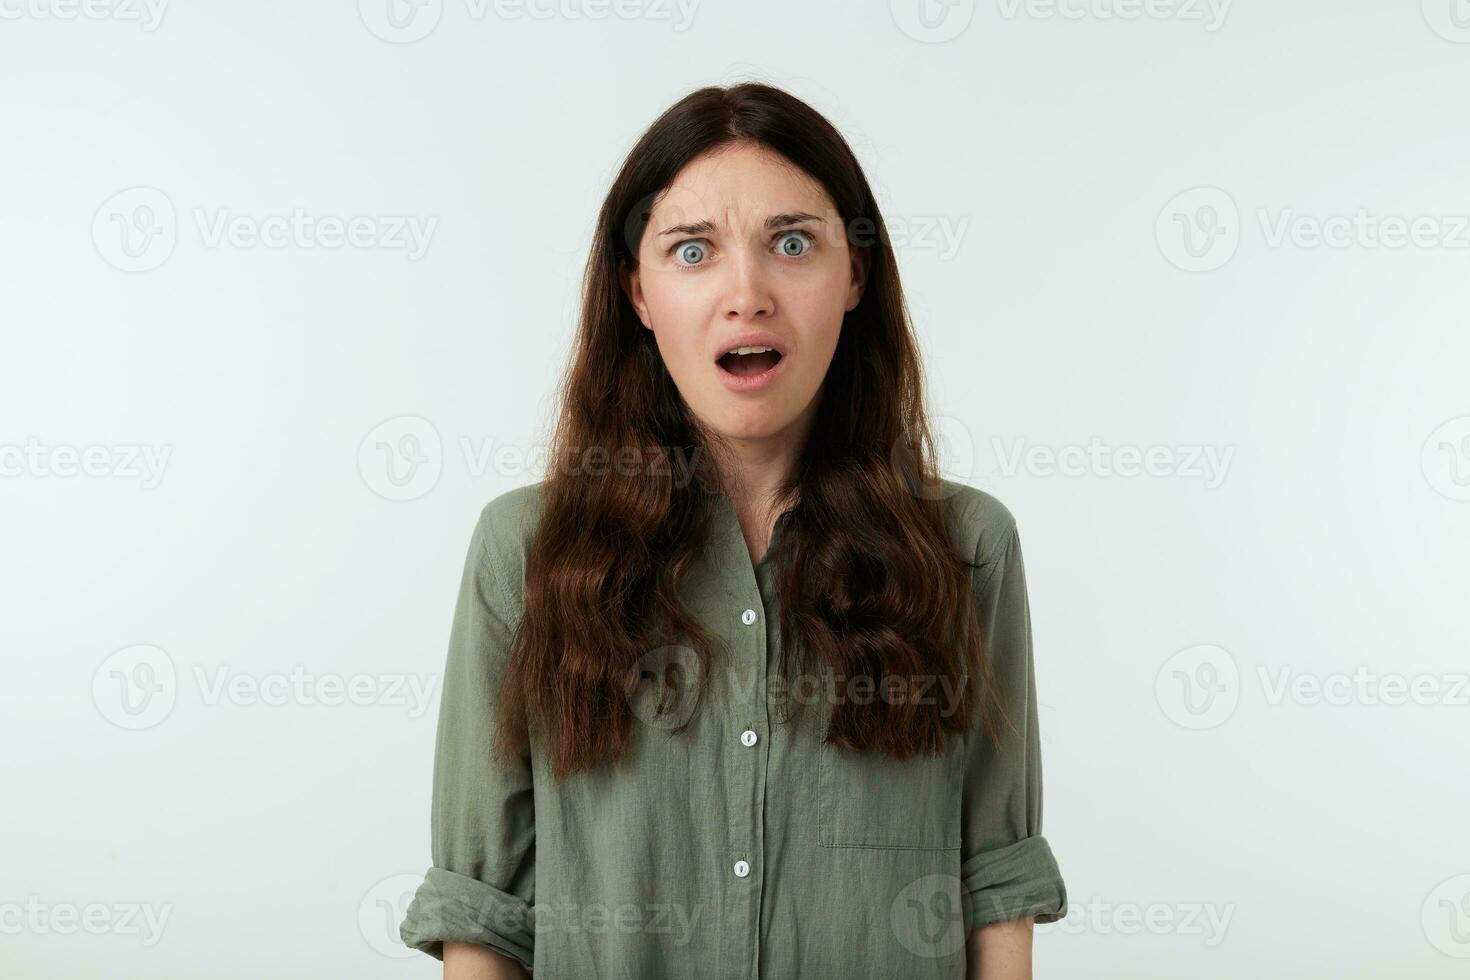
point(980, 523)
point(510, 519)
point(505, 529)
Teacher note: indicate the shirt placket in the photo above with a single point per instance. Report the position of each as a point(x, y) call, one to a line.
point(746, 739)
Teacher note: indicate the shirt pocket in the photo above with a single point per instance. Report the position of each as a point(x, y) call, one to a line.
point(875, 800)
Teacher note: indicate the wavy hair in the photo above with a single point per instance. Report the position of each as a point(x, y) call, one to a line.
point(871, 584)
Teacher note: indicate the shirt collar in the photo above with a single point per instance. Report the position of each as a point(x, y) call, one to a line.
point(728, 526)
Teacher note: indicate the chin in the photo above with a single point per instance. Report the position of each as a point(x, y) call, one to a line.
point(750, 428)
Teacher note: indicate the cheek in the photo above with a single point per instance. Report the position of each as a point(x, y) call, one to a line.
point(678, 315)
point(819, 310)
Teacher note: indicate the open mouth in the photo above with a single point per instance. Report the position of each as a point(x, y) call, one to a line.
point(747, 362)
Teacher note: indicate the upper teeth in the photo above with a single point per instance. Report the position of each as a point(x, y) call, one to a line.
point(750, 350)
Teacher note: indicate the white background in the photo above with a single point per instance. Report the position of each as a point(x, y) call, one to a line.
point(1111, 188)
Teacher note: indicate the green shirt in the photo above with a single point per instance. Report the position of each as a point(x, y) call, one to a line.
point(741, 847)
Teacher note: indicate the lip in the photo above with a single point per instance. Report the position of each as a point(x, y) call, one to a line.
point(754, 382)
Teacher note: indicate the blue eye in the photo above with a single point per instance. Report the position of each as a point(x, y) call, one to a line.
point(800, 236)
point(690, 252)
point(693, 252)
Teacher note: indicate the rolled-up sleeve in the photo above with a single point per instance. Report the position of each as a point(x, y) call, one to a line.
point(1007, 868)
point(481, 886)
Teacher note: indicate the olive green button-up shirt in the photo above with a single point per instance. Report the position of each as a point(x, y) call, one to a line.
point(740, 848)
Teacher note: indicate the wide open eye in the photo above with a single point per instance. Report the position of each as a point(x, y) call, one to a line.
point(795, 243)
point(690, 253)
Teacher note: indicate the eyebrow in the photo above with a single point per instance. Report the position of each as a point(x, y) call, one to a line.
point(782, 220)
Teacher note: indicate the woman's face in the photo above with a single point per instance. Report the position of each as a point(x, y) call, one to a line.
point(744, 249)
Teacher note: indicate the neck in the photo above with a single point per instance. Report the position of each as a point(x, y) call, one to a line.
point(753, 472)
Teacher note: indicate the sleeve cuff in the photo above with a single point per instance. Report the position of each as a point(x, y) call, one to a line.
point(450, 907)
point(1016, 881)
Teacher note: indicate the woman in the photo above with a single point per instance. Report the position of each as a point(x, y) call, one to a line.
point(742, 688)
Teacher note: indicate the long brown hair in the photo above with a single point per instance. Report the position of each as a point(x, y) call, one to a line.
point(871, 583)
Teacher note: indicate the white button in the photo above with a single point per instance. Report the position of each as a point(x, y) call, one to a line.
point(748, 617)
point(747, 737)
point(741, 869)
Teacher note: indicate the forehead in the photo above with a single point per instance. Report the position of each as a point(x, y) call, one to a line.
point(739, 183)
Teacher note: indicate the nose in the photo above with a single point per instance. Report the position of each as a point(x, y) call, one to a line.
point(749, 294)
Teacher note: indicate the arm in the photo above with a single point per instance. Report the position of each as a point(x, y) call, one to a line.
point(467, 961)
point(1011, 879)
point(474, 909)
point(999, 951)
